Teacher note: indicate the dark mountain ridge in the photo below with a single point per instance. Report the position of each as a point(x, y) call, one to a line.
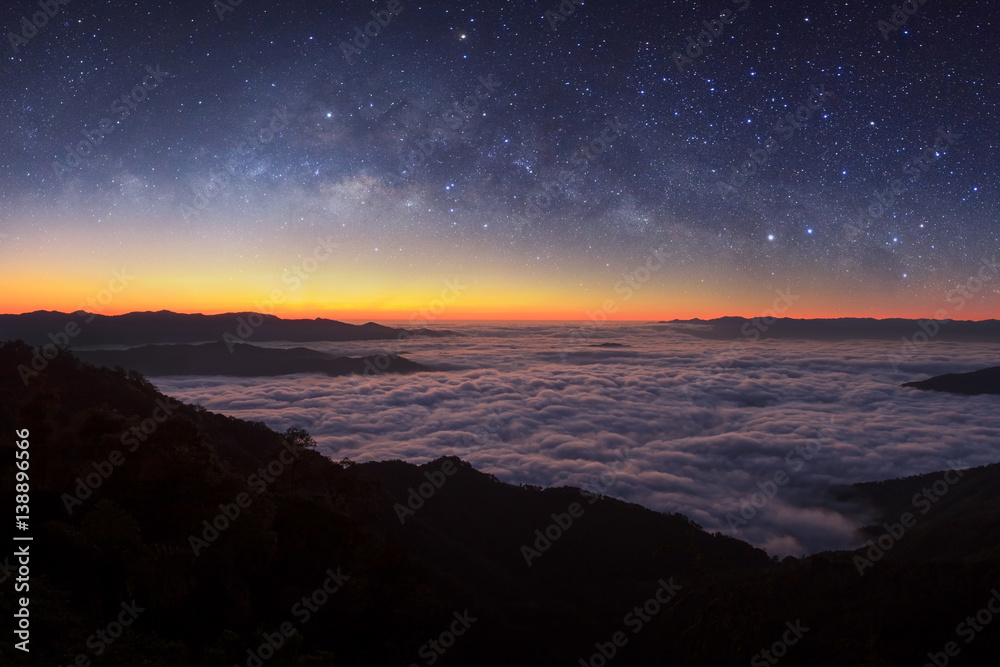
point(844, 328)
point(243, 360)
point(983, 381)
point(422, 546)
point(141, 328)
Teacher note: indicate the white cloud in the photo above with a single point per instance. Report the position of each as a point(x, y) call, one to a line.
point(698, 437)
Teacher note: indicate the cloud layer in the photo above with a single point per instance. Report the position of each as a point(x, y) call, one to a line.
point(669, 421)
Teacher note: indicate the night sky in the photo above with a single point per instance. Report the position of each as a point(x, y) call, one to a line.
point(532, 158)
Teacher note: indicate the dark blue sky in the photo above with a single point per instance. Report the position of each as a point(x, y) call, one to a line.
point(472, 112)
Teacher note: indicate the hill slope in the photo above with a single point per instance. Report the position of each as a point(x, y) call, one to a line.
point(223, 531)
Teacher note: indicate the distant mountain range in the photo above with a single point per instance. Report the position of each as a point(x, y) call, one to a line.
point(983, 381)
point(224, 532)
point(244, 360)
point(141, 328)
point(844, 328)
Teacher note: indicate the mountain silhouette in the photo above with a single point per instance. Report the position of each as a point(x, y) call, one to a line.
point(140, 328)
point(244, 360)
point(125, 507)
point(843, 328)
point(983, 381)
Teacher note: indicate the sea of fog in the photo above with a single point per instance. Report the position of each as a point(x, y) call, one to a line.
point(667, 420)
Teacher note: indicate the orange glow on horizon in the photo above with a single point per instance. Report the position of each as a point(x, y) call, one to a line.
point(354, 293)
point(535, 315)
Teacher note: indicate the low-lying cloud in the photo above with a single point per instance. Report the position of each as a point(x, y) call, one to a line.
point(699, 436)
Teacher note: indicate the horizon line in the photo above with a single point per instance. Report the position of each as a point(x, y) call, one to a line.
point(426, 324)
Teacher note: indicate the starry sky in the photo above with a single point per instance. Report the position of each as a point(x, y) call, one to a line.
point(521, 160)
